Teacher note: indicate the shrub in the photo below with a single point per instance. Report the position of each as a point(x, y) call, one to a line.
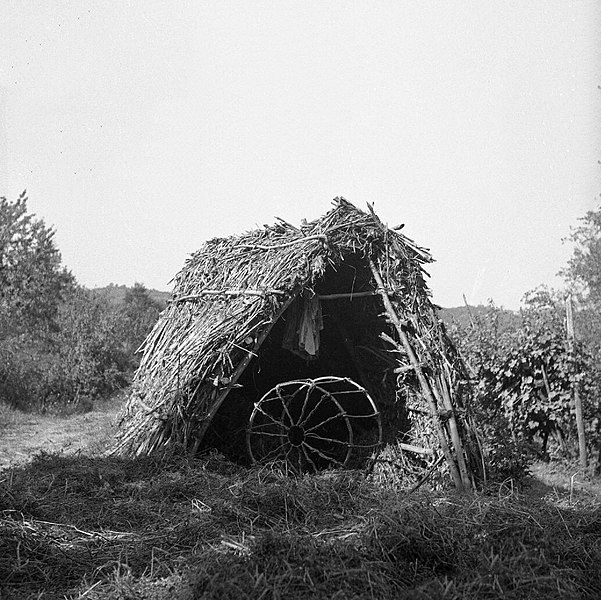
point(81, 361)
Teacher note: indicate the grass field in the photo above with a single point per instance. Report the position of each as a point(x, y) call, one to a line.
point(23, 434)
point(76, 524)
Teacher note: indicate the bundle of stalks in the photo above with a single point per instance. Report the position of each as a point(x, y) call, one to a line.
point(233, 290)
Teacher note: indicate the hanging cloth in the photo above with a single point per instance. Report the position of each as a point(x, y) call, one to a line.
point(304, 321)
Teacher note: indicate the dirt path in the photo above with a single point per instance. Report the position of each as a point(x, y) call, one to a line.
point(24, 435)
point(560, 481)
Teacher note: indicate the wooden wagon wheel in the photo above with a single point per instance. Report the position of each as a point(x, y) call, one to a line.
point(301, 423)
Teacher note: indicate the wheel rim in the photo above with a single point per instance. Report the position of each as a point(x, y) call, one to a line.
point(303, 424)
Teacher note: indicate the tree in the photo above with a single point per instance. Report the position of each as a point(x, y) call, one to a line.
point(583, 275)
point(60, 344)
point(33, 281)
point(140, 312)
point(584, 267)
point(91, 361)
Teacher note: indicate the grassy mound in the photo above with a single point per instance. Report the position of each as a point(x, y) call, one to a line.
point(107, 528)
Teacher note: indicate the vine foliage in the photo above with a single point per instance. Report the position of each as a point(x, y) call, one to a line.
point(524, 373)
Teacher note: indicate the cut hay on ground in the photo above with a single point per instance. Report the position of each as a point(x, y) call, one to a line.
point(109, 528)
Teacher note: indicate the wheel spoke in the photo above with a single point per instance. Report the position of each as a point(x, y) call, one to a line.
point(312, 411)
point(267, 424)
point(308, 457)
point(280, 423)
point(279, 393)
point(275, 450)
point(342, 392)
point(296, 392)
point(328, 458)
point(310, 389)
point(292, 423)
point(290, 446)
point(289, 424)
point(321, 423)
point(267, 433)
point(325, 439)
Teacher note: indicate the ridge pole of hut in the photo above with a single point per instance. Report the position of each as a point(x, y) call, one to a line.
point(442, 439)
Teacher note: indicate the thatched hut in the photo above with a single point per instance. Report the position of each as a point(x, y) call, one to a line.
point(308, 344)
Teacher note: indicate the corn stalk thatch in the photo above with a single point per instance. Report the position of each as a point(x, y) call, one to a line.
point(232, 292)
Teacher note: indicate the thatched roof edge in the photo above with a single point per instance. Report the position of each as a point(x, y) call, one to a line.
point(201, 338)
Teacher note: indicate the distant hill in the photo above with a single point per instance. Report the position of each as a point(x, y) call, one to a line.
point(462, 315)
point(115, 294)
point(456, 314)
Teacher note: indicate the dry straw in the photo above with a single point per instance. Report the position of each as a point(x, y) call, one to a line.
point(110, 528)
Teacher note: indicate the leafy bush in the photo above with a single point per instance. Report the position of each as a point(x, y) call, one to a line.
point(88, 343)
point(139, 313)
point(60, 344)
point(79, 362)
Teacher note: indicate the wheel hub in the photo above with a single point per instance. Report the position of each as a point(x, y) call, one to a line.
point(311, 424)
point(296, 435)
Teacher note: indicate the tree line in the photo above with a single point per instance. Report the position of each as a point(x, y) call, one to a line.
point(61, 345)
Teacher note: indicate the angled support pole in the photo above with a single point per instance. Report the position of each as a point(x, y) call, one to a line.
point(222, 394)
point(454, 430)
point(423, 382)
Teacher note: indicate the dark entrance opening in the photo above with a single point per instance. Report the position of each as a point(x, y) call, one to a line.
point(350, 347)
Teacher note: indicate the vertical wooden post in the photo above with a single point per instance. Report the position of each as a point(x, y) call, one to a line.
point(454, 429)
point(442, 439)
point(575, 386)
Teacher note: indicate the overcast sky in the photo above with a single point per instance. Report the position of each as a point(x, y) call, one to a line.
point(142, 128)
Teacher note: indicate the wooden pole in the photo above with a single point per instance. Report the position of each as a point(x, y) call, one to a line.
point(575, 387)
point(454, 429)
point(222, 394)
point(442, 439)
